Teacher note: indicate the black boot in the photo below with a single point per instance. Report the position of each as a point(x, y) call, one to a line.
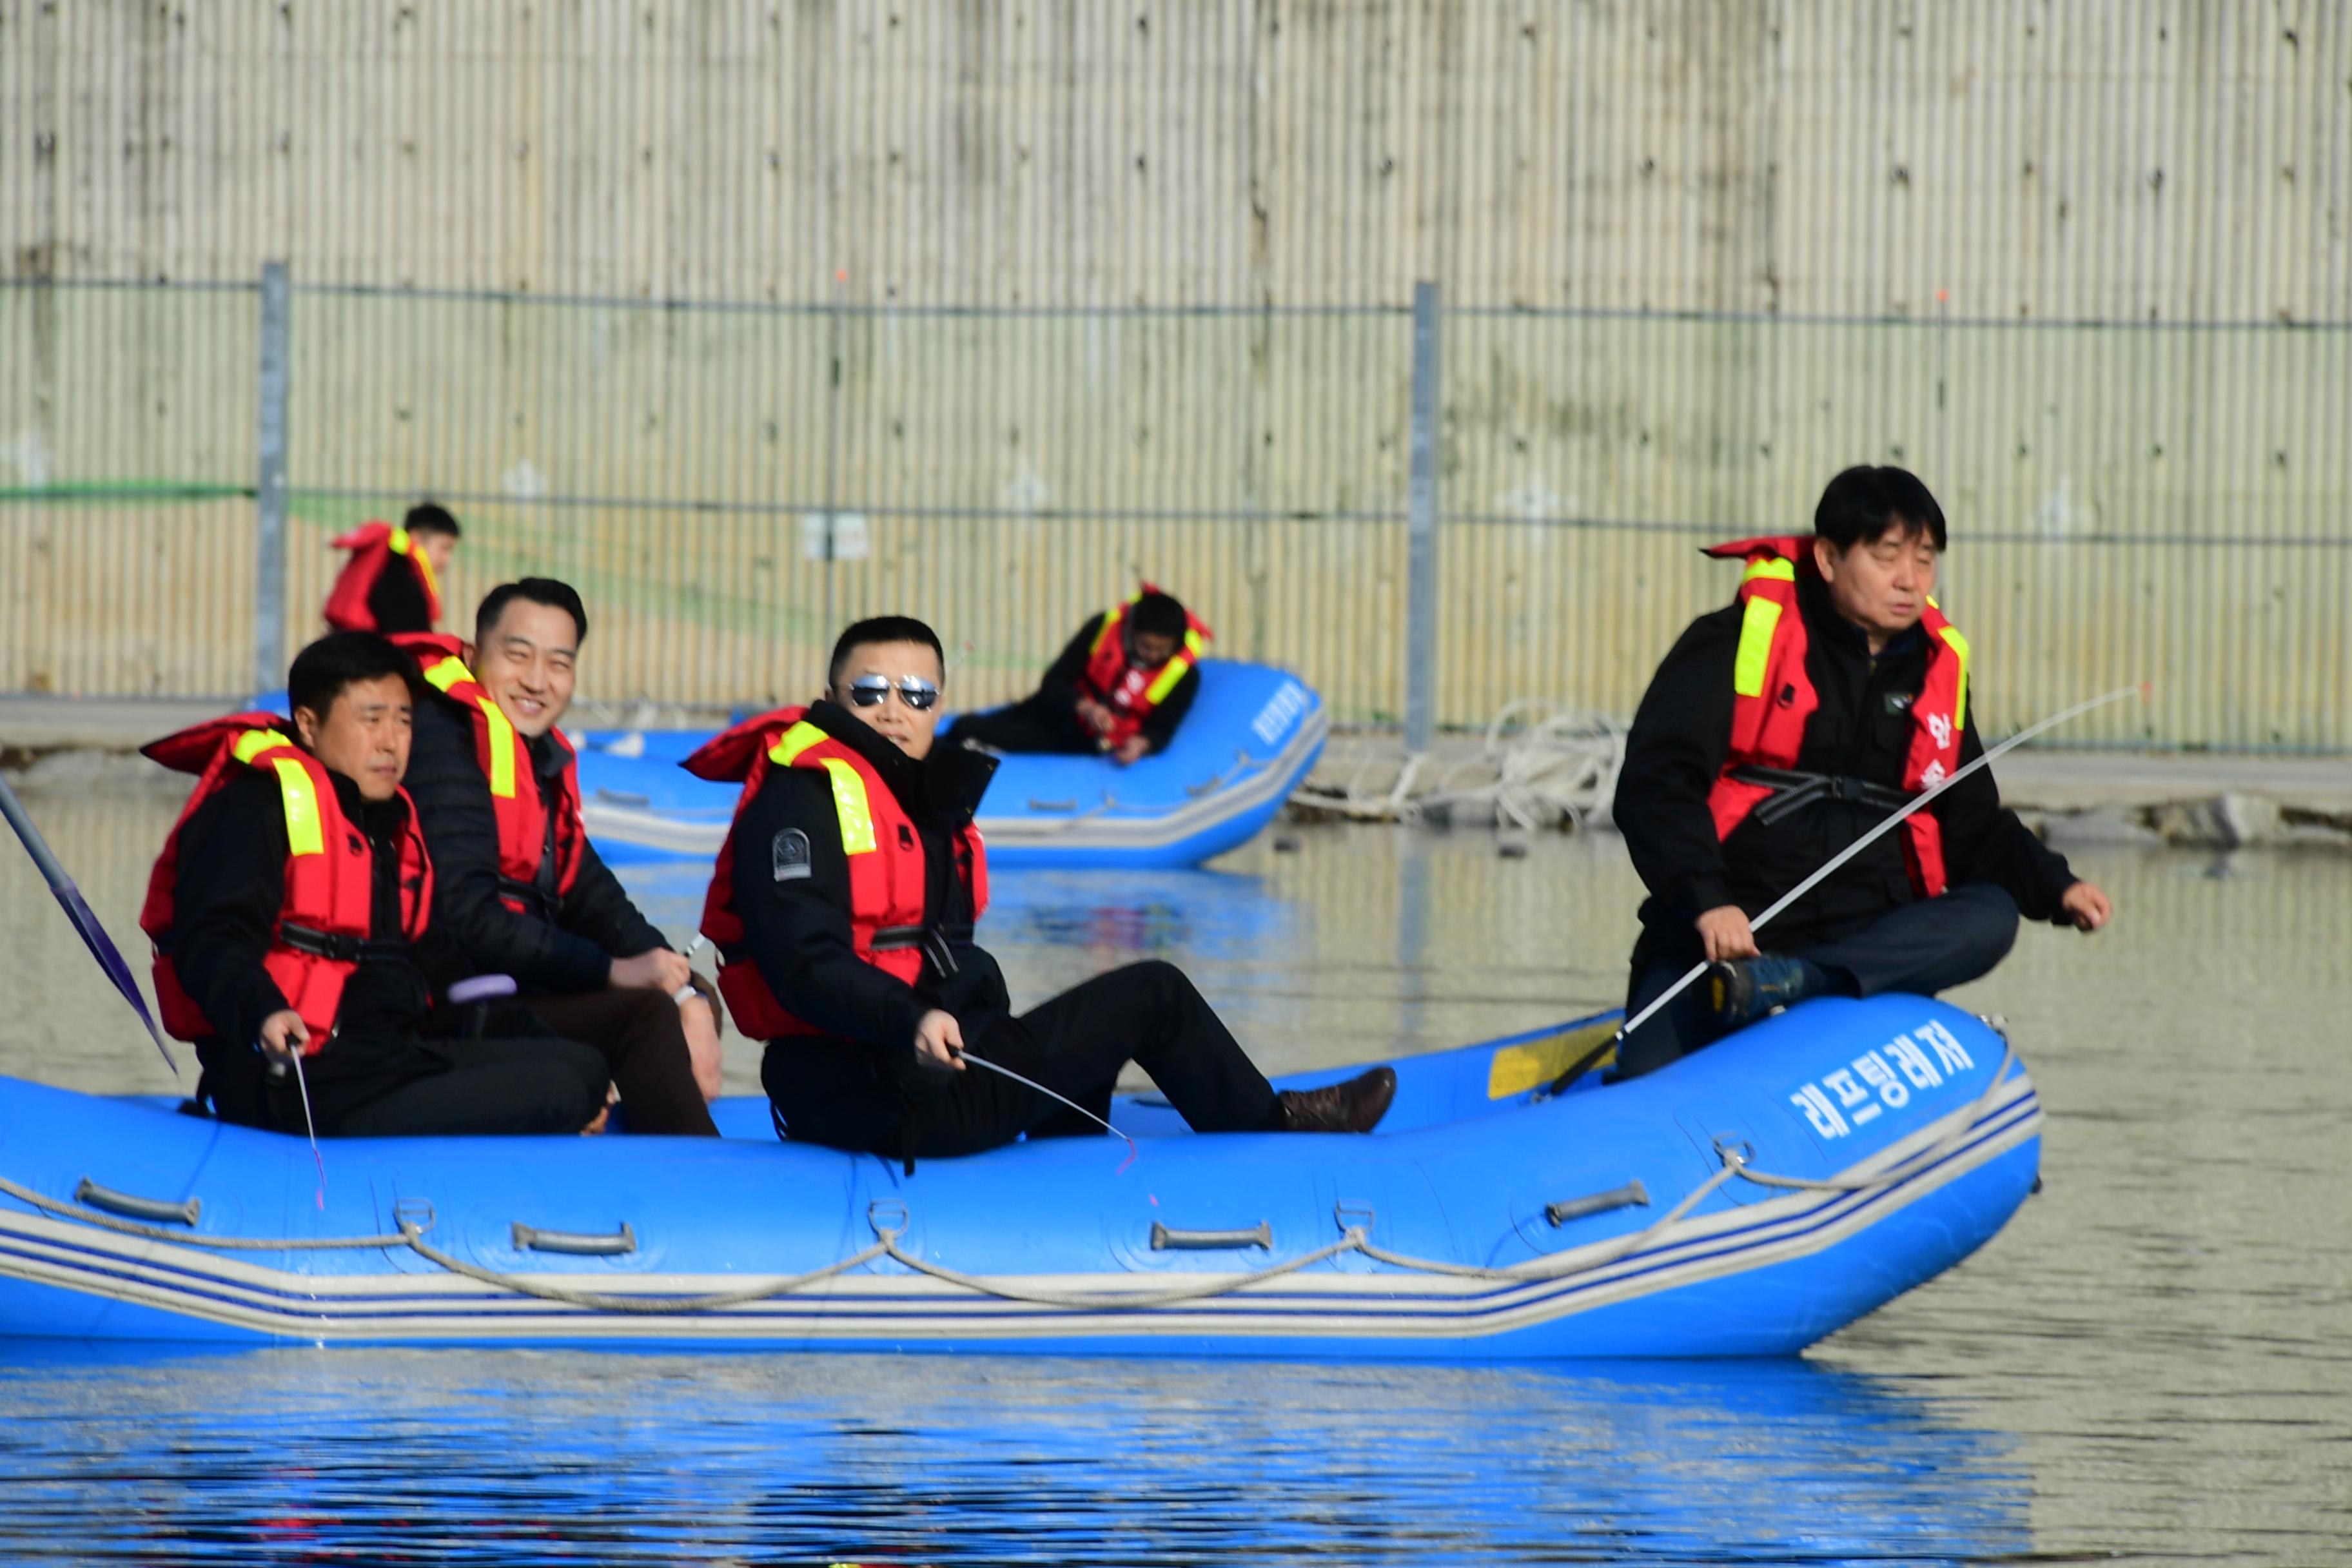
point(1355, 1106)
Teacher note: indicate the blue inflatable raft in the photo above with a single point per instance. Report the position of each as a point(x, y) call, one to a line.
point(1747, 1201)
point(1251, 737)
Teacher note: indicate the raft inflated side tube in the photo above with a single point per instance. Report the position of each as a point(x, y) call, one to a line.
point(1746, 1200)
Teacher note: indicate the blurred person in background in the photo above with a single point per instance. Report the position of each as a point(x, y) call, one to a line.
point(1119, 689)
point(392, 584)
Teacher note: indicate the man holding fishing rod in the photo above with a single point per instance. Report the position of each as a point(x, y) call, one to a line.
point(1780, 731)
point(843, 907)
point(292, 913)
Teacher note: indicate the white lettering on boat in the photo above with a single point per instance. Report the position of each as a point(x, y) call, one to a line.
point(1279, 713)
point(1884, 1080)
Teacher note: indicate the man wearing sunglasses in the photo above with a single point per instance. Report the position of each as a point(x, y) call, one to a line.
point(843, 908)
point(1120, 688)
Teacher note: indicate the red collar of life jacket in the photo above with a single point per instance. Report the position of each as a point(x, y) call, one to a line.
point(888, 867)
point(1772, 697)
point(527, 826)
point(374, 546)
point(1130, 692)
point(328, 915)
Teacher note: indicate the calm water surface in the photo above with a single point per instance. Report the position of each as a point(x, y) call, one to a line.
point(2153, 1363)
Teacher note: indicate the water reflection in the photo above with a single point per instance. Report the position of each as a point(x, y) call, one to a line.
point(514, 1456)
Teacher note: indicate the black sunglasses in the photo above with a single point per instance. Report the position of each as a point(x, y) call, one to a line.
point(873, 690)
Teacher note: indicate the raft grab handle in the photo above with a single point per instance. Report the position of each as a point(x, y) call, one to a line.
point(1069, 804)
point(528, 1239)
point(1632, 1194)
point(107, 1198)
point(1166, 1240)
point(623, 796)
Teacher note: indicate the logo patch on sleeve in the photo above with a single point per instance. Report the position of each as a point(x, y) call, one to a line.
point(789, 851)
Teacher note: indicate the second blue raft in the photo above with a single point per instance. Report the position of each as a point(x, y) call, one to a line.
point(1252, 735)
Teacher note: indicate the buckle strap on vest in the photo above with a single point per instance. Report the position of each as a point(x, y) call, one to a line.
point(340, 947)
point(535, 899)
point(1792, 791)
point(933, 940)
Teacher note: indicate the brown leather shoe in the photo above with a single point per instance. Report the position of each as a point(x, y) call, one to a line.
point(1355, 1106)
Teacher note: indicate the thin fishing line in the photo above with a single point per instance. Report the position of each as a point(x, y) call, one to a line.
point(1132, 1150)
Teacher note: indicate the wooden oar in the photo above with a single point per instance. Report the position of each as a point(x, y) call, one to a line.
point(85, 919)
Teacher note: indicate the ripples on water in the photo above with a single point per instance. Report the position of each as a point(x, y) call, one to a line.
point(514, 1456)
point(2153, 1360)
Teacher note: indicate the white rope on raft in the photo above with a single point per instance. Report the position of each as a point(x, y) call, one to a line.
point(1355, 1238)
point(1537, 765)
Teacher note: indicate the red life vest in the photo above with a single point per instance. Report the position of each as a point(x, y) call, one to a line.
point(887, 865)
point(1773, 698)
point(372, 546)
point(329, 912)
point(1128, 692)
point(505, 760)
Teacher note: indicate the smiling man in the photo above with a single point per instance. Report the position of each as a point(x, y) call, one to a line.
point(844, 906)
point(1781, 729)
point(518, 887)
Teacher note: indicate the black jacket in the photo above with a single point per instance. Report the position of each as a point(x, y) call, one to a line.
point(231, 888)
point(797, 928)
point(1682, 736)
point(1058, 693)
point(397, 598)
point(598, 923)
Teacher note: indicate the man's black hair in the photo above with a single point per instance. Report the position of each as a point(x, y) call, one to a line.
point(1862, 503)
point(545, 591)
point(882, 628)
point(1158, 614)
point(432, 517)
point(344, 659)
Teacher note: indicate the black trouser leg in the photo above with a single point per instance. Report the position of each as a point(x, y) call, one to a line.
point(1923, 947)
point(1676, 1029)
point(1024, 728)
point(644, 1046)
point(497, 1085)
point(1927, 946)
point(1076, 1044)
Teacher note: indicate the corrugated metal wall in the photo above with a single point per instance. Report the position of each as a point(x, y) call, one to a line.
point(1052, 295)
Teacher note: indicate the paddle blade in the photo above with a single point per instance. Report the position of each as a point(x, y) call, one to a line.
point(109, 958)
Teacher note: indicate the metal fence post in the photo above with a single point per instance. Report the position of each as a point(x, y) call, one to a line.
point(1421, 581)
point(270, 488)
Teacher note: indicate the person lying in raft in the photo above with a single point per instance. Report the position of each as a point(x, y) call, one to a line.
point(843, 907)
point(392, 581)
point(1120, 688)
point(291, 912)
point(1777, 731)
point(517, 886)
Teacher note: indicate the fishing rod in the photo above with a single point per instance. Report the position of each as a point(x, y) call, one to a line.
point(1859, 845)
point(85, 919)
point(1132, 1152)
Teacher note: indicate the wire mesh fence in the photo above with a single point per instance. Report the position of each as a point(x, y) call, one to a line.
point(728, 482)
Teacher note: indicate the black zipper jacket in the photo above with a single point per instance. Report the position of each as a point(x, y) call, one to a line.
point(1682, 737)
point(570, 952)
point(797, 926)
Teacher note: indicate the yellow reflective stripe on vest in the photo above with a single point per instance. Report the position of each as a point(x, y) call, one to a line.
point(1174, 670)
point(1959, 647)
point(849, 802)
point(850, 805)
point(1770, 567)
point(444, 674)
point(1111, 617)
point(795, 740)
point(304, 834)
point(253, 743)
point(1757, 624)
